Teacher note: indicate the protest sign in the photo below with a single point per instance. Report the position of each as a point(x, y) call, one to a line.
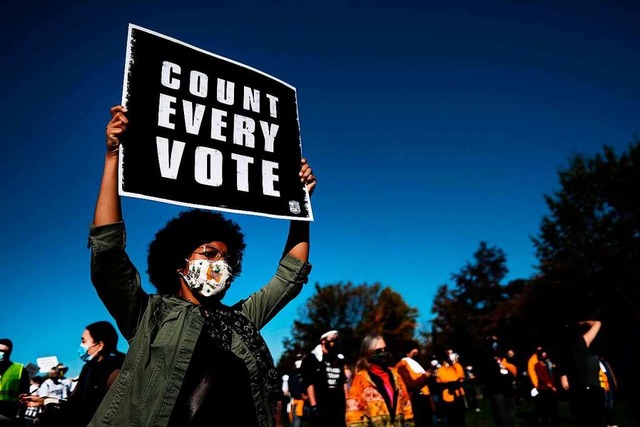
point(205, 131)
point(46, 363)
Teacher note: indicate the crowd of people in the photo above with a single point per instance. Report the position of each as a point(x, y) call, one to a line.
point(324, 389)
point(194, 361)
point(413, 389)
point(55, 400)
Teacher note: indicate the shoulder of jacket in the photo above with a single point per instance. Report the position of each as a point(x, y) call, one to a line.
point(363, 375)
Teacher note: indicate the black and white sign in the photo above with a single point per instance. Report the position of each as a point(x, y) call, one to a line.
point(205, 131)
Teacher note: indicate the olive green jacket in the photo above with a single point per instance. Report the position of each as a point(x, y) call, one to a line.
point(162, 332)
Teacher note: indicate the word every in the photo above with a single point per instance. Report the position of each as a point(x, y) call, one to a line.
point(208, 162)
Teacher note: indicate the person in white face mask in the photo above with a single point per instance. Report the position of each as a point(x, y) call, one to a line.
point(98, 349)
point(192, 360)
point(14, 381)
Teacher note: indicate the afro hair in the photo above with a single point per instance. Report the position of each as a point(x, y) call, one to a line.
point(181, 236)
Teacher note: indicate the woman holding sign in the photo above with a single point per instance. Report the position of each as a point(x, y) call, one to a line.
point(192, 360)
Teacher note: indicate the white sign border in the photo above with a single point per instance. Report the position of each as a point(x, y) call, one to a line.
point(125, 86)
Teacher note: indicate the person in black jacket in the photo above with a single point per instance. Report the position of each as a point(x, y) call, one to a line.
point(325, 381)
point(579, 373)
point(497, 372)
point(297, 394)
point(98, 349)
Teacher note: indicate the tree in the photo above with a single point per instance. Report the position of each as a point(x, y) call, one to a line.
point(589, 245)
point(475, 305)
point(392, 318)
point(353, 310)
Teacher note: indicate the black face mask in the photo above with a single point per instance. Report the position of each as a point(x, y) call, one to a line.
point(332, 347)
point(383, 359)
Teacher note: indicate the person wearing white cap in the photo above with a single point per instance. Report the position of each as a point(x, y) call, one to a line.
point(54, 386)
point(325, 381)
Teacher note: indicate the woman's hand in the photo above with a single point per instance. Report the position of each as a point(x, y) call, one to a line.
point(108, 210)
point(306, 176)
point(30, 400)
point(115, 128)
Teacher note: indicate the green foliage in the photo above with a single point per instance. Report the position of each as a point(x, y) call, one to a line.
point(589, 243)
point(589, 253)
point(353, 310)
point(474, 305)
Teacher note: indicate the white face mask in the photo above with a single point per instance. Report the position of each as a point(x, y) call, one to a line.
point(83, 352)
point(206, 277)
point(1, 356)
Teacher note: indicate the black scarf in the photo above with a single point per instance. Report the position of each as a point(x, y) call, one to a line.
point(220, 321)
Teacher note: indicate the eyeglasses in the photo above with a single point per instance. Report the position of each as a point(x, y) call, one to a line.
point(380, 350)
point(213, 254)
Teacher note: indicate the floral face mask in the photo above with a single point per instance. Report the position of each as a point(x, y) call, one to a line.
point(208, 278)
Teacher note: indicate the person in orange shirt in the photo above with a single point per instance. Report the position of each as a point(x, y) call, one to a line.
point(450, 375)
point(609, 384)
point(378, 397)
point(415, 377)
point(546, 385)
point(531, 369)
point(533, 377)
point(454, 360)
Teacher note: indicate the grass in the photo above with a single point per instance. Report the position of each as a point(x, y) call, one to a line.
point(525, 415)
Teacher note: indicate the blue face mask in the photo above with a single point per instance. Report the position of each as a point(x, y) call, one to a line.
point(83, 352)
point(1, 356)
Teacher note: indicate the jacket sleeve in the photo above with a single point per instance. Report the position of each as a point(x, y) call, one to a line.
point(414, 381)
point(459, 370)
point(543, 376)
point(355, 415)
point(531, 370)
point(284, 286)
point(404, 402)
point(513, 370)
point(115, 278)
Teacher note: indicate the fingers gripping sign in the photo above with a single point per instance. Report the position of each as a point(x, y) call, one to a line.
point(306, 176)
point(115, 128)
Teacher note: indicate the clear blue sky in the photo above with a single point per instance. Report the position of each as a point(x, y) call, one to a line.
point(430, 128)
